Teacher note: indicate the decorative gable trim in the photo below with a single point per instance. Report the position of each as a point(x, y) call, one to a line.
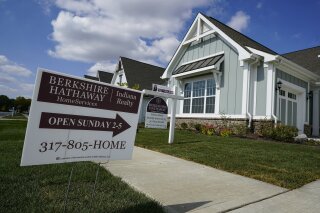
point(197, 31)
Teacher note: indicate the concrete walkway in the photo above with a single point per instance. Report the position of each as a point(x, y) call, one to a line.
point(184, 186)
point(304, 199)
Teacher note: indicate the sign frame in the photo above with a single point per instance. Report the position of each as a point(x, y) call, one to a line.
point(119, 145)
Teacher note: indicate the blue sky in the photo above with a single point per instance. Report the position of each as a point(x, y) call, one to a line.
point(79, 37)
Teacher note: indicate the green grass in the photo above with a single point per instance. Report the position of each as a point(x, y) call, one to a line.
point(286, 165)
point(42, 188)
point(16, 116)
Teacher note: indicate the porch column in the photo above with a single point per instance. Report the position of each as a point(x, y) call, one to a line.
point(315, 123)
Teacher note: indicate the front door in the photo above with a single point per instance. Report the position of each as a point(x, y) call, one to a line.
point(288, 107)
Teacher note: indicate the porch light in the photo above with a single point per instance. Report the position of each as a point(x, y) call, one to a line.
point(279, 84)
point(309, 95)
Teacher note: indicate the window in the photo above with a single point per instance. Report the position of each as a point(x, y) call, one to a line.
point(120, 79)
point(292, 96)
point(199, 96)
point(282, 93)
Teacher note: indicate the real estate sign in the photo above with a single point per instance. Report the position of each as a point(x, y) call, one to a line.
point(161, 88)
point(156, 114)
point(75, 119)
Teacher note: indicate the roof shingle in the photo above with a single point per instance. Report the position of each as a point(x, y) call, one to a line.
point(141, 73)
point(307, 58)
point(240, 38)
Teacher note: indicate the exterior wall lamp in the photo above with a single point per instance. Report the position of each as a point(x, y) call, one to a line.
point(309, 95)
point(279, 85)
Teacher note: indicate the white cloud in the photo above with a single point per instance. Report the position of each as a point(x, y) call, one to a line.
point(276, 36)
point(13, 79)
point(14, 69)
point(297, 35)
point(11, 68)
point(45, 5)
point(103, 66)
point(259, 5)
point(239, 21)
point(99, 31)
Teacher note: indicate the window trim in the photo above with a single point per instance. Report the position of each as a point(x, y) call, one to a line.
point(217, 96)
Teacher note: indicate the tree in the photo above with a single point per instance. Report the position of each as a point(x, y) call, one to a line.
point(4, 103)
point(22, 104)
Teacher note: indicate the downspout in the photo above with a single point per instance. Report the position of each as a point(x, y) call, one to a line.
point(248, 91)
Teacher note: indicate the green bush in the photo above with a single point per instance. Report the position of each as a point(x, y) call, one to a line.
point(208, 129)
point(284, 133)
point(313, 142)
point(225, 132)
point(204, 129)
point(240, 130)
point(184, 125)
point(308, 130)
point(198, 127)
point(266, 129)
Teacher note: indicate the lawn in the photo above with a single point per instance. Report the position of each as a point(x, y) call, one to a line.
point(42, 188)
point(283, 164)
point(16, 116)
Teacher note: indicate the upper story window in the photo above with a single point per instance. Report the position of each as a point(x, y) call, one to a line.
point(120, 79)
point(199, 96)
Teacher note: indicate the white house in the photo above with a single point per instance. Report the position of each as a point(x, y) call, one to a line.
point(138, 75)
point(220, 71)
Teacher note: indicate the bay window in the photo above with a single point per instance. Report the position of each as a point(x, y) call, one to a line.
point(199, 96)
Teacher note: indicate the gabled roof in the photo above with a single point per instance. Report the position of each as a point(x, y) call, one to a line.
point(105, 77)
point(141, 73)
point(307, 58)
point(240, 38)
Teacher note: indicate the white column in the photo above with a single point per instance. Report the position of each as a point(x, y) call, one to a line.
point(254, 75)
point(245, 88)
point(173, 116)
point(315, 123)
point(270, 90)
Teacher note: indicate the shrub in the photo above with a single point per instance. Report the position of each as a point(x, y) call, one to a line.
point(266, 130)
point(203, 129)
point(284, 133)
point(313, 142)
point(225, 132)
point(198, 127)
point(184, 125)
point(308, 130)
point(208, 129)
point(240, 130)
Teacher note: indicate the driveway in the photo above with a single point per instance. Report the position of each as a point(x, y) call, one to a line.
point(184, 186)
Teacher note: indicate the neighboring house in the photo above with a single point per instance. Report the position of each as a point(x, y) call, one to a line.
point(138, 75)
point(132, 72)
point(102, 76)
point(223, 73)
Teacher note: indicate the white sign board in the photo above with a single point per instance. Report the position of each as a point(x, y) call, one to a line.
point(76, 119)
point(156, 114)
point(161, 88)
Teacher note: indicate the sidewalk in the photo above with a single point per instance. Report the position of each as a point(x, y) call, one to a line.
point(184, 186)
point(304, 199)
